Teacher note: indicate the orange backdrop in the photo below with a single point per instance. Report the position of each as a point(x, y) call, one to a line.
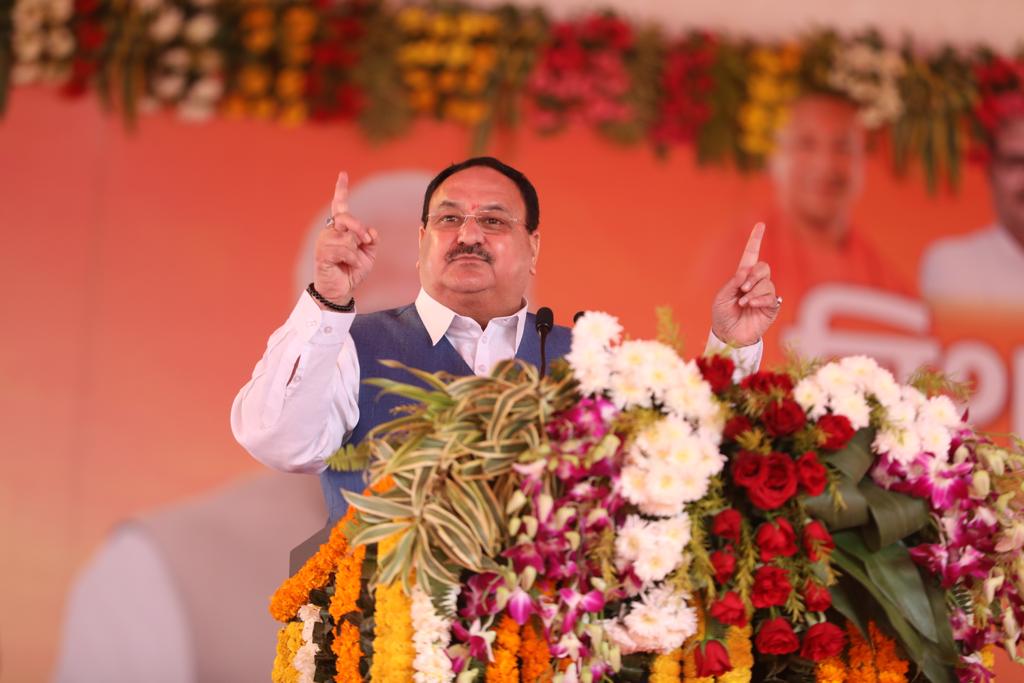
point(142, 272)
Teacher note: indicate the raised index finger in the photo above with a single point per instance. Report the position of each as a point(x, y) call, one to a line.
point(339, 204)
point(752, 252)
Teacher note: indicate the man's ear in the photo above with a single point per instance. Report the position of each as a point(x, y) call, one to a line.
point(535, 246)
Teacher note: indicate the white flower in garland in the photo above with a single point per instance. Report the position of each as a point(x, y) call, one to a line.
point(660, 621)
point(431, 636)
point(305, 657)
point(869, 75)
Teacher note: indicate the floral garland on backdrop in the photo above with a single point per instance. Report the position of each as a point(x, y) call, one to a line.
point(635, 516)
point(384, 64)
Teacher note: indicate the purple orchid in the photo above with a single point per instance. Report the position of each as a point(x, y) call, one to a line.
point(520, 606)
point(477, 638)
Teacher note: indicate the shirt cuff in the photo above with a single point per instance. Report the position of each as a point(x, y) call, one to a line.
point(314, 325)
point(746, 358)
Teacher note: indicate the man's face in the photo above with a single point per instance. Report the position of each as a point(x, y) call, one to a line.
point(1007, 174)
point(818, 162)
point(478, 266)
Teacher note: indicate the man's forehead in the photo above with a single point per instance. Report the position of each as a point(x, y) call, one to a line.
point(479, 187)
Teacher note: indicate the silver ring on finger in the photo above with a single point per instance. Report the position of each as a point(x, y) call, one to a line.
point(330, 221)
point(778, 301)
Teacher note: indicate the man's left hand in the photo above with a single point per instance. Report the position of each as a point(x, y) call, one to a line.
point(747, 305)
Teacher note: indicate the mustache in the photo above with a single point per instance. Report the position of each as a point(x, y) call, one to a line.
point(469, 250)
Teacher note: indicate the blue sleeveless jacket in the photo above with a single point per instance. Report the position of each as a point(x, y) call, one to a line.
point(398, 334)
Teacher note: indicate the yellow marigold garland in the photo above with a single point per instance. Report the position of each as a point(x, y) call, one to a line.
point(294, 592)
point(889, 666)
point(504, 668)
point(535, 655)
point(393, 651)
point(289, 640)
point(666, 668)
point(741, 655)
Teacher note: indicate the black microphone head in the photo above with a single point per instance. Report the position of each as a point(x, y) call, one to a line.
point(545, 318)
point(576, 318)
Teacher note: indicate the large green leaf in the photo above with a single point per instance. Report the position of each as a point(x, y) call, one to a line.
point(856, 458)
point(925, 654)
point(897, 577)
point(894, 516)
point(379, 505)
point(378, 532)
point(855, 513)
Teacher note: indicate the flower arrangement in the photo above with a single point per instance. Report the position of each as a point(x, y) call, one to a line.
point(382, 65)
point(635, 516)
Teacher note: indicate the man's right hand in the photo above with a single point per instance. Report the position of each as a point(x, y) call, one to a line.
point(345, 250)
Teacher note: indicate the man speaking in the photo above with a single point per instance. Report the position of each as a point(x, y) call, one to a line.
point(479, 240)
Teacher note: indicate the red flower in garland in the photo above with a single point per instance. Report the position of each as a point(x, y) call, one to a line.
point(817, 598)
point(727, 524)
point(776, 637)
point(717, 371)
point(822, 641)
point(818, 542)
point(838, 431)
point(748, 469)
point(783, 417)
point(812, 474)
point(771, 587)
point(724, 562)
point(729, 610)
point(776, 539)
point(777, 484)
point(765, 382)
point(735, 426)
point(712, 659)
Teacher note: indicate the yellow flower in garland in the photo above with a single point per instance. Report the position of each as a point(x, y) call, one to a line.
point(254, 80)
point(831, 670)
point(866, 662)
point(504, 667)
point(535, 655)
point(771, 86)
point(666, 668)
point(890, 667)
point(289, 640)
point(346, 645)
point(393, 651)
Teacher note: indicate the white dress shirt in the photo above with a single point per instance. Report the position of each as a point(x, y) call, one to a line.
point(295, 425)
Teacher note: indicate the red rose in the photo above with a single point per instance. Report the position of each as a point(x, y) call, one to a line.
point(776, 637)
point(724, 562)
point(783, 417)
point(766, 381)
point(712, 659)
point(812, 474)
point(817, 598)
point(748, 469)
point(727, 524)
point(771, 587)
point(838, 431)
point(717, 371)
point(818, 541)
point(729, 610)
point(736, 426)
point(776, 540)
point(777, 484)
point(822, 641)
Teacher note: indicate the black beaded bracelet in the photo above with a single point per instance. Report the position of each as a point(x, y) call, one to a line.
point(347, 308)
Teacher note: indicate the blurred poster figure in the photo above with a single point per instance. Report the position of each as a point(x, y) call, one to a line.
point(985, 269)
point(180, 595)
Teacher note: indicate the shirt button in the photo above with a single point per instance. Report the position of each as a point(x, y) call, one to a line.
point(481, 368)
point(328, 329)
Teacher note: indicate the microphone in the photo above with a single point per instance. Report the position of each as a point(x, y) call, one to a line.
point(576, 318)
point(545, 320)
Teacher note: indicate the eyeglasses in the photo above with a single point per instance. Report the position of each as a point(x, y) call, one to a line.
point(492, 223)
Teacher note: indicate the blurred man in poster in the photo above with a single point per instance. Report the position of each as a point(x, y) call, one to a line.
point(985, 269)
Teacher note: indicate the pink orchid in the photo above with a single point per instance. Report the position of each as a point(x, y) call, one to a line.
point(481, 595)
point(591, 601)
point(477, 637)
point(520, 606)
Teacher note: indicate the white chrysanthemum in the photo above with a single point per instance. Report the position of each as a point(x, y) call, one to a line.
point(940, 410)
point(811, 397)
point(431, 635)
point(885, 388)
point(645, 621)
point(901, 415)
point(854, 406)
point(862, 370)
point(591, 366)
point(674, 531)
point(633, 483)
point(913, 396)
point(630, 539)
point(657, 558)
point(595, 328)
point(626, 390)
point(935, 438)
point(902, 445)
point(835, 380)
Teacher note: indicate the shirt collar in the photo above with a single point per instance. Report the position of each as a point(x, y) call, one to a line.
point(437, 318)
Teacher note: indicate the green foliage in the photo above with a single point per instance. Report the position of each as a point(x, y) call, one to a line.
point(450, 458)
